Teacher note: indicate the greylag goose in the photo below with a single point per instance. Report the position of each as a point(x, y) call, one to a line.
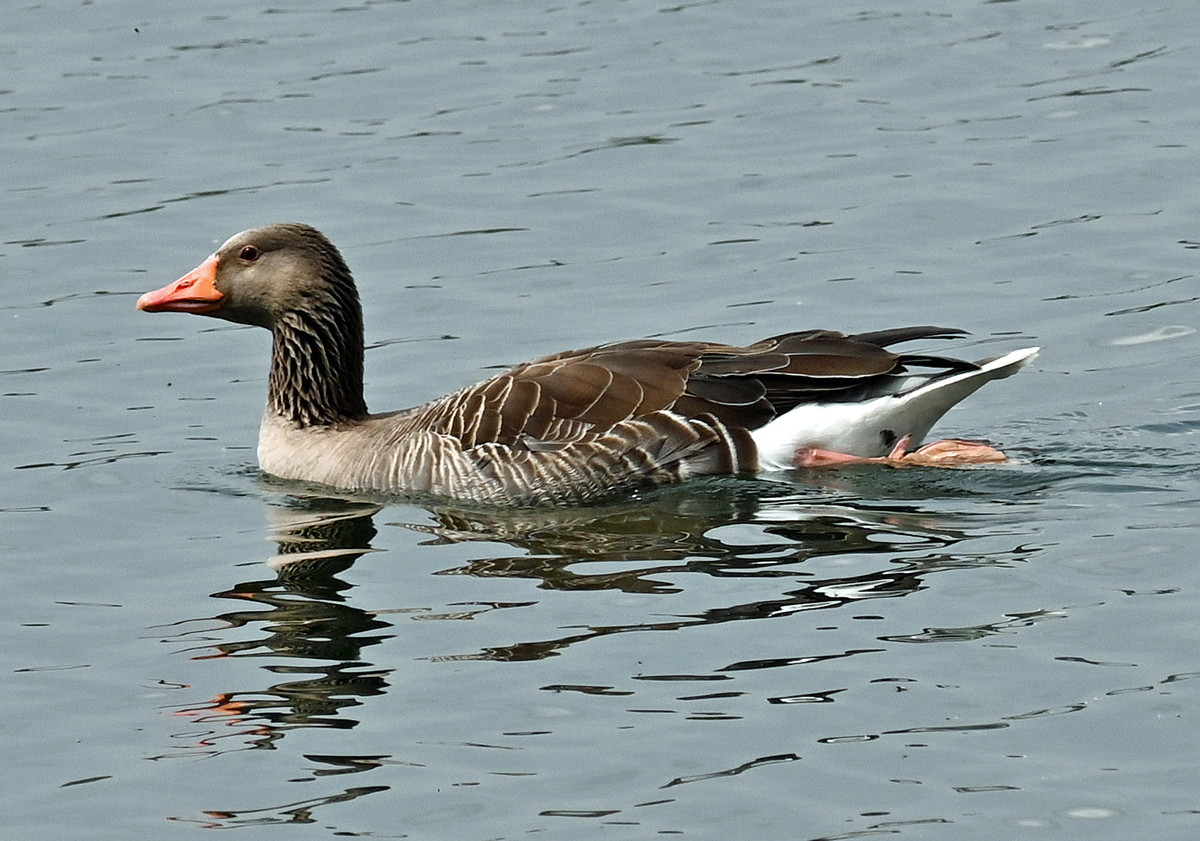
point(575, 427)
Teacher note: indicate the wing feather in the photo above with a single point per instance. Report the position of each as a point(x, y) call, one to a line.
point(573, 396)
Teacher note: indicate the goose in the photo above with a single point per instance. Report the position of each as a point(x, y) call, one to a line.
point(575, 427)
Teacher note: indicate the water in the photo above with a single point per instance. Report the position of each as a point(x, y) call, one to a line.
point(926, 654)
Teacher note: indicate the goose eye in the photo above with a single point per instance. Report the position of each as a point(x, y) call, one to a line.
point(249, 253)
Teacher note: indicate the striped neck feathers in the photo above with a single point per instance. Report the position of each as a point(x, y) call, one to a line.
point(316, 374)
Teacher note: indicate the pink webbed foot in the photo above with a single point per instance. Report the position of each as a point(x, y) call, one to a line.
point(949, 452)
point(952, 452)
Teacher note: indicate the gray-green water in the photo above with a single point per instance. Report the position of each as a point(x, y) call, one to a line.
point(990, 653)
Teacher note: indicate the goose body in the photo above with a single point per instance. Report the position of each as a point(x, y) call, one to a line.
point(571, 428)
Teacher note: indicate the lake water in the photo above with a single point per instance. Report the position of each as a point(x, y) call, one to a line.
point(991, 653)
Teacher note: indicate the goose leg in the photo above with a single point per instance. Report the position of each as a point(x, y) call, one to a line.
point(950, 452)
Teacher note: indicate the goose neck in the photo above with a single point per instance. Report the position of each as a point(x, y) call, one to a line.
point(316, 374)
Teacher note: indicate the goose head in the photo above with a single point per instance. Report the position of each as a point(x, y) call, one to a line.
point(262, 275)
point(291, 280)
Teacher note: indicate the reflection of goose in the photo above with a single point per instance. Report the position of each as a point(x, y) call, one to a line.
point(567, 428)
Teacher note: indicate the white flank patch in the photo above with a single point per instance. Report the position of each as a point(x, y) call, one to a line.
point(871, 427)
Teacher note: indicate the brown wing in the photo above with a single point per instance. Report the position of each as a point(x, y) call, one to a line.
point(567, 396)
point(577, 394)
point(749, 386)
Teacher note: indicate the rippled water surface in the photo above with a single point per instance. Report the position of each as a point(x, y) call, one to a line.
point(987, 653)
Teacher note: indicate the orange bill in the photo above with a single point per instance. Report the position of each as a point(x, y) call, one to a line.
point(195, 292)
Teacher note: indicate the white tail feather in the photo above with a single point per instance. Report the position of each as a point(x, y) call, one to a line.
point(870, 428)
